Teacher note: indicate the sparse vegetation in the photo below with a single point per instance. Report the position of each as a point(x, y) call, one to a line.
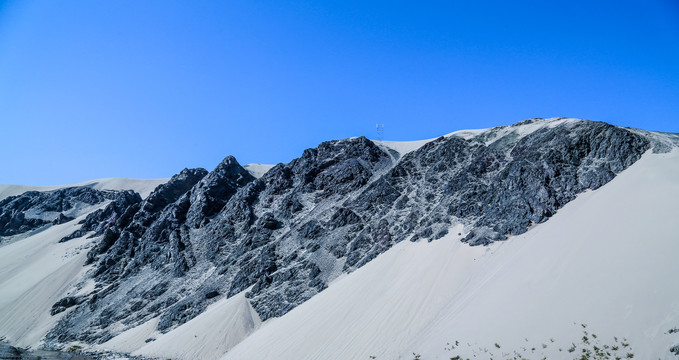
point(590, 347)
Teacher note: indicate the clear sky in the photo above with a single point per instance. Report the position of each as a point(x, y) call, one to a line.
point(93, 89)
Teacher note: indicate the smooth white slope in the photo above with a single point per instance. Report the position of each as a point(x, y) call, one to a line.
point(607, 258)
point(207, 336)
point(35, 272)
point(402, 147)
point(143, 186)
point(258, 170)
point(212, 333)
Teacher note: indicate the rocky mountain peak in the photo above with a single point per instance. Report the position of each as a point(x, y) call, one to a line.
point(210, 195)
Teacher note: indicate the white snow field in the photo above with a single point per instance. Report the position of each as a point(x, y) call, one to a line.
point(143, 186)
point(607, 259)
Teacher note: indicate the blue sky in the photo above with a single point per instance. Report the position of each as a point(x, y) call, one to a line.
point(92, 89)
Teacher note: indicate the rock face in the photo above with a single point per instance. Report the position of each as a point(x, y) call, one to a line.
point(32, 210)
point(283, 237)
point(9, 352)
point(103, 219)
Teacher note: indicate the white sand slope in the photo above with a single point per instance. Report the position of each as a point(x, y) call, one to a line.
point(257, 170)
point(607, 259)
point(143, 186)
point(35, 272)
point(404, 147)
point(133, 338)
point(208, 336)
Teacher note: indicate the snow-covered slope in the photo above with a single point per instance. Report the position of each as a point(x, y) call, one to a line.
point(606, 259)
point(142, 186)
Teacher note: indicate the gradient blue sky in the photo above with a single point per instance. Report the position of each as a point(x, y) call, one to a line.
point(92, 89)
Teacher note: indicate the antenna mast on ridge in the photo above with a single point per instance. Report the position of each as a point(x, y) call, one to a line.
point(380, 131)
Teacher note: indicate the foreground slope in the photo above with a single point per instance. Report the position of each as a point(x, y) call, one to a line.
point(35, 272)
point(607, 259)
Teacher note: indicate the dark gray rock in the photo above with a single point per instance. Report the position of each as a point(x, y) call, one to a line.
point(33, 209)
point(62, 219)
point(103, 219)
point(120, 240)
point(675, 350)
point(211, 194)
point(8, 352)
point(285, 236)
point(64, 304)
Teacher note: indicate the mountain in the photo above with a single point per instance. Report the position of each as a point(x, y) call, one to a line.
point(366, 247)
point(141, 186)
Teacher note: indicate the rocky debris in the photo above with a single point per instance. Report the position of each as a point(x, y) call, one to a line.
point(33, 209)
point(10, 352)
point(102, 219)
point(74, 352)
point(18, 223)
point(675, 350)
point(64, 304)
point(62, 219)
point(285, 236)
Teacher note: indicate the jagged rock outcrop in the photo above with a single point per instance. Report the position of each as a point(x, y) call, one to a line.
point(10, 352)
point(283, 237)
point(155, 218)
point(32, 210)
point(502, 183)
point(102, 219)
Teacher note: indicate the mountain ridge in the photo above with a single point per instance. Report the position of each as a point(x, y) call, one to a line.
point(283, 237)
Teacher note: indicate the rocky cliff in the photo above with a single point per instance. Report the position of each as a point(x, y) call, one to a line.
point(283, 237)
